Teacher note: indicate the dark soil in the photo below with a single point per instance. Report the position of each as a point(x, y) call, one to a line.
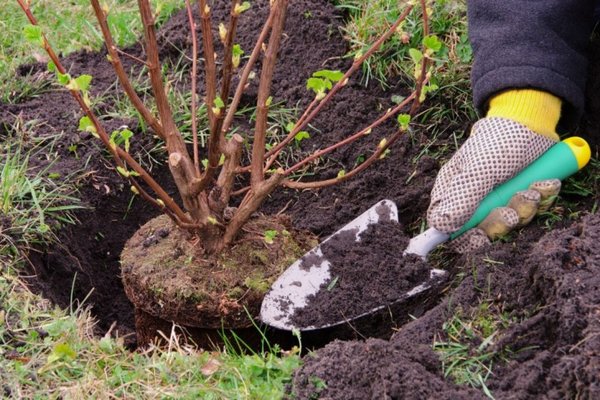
point(166, 276)
point(369, 270)
point(546, 281)
point(551, 288)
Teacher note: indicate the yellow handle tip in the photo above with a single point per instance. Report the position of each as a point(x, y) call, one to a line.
point(581, 150)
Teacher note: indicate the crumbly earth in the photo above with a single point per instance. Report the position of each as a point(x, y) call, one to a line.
point(369, 270)
point(546, 281)
point(550, 289)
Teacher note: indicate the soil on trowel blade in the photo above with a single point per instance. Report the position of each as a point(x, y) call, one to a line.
point(550, 293)
point(364, 275)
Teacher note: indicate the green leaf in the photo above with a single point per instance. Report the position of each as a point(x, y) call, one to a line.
point(300, 136)
point(432, 42)
point(51, 66)
point(240, 8)
point(219, 102)
point(126, 134)
point(61, 351)
point(237, 50)
point(83, 82)
point(318, 85)
point(86, 125)
point(333, 283)
point(33, 34)
point(416, 55)
point(341, 173)
point(270, 236)
point(330, 75)
point(123, 172)
point(404, 120)
point(290, 126)
point(63, 79)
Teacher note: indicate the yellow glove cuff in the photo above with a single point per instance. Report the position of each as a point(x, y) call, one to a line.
point(537, 110)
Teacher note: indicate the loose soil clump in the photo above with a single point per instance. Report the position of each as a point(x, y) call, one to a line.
point(371, 270)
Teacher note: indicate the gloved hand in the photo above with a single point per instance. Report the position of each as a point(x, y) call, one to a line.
point(497, 150)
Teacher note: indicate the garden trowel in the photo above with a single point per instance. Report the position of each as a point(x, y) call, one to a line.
point(293, 289)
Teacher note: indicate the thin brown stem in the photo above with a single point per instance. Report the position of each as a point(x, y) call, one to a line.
point(424, 63)
point(264, 91)
point(131, 56)
point(227, 70)
point(180, 164)
point(115, 60)
point(210, 69)
point(119, 155)
point(194, 74)
point(317, 105)
point(246, 73)
point(352, 138)
point(377, 154)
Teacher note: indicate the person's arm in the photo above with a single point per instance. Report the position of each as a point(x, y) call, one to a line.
point(529, 71)
point(531, 44)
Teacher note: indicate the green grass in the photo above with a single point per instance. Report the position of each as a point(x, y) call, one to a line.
point(465, 346)
point(73, 27)
point(34, 203)
point(369, 19)
point(53, 353)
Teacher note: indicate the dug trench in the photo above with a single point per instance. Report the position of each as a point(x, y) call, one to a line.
point(547, 282)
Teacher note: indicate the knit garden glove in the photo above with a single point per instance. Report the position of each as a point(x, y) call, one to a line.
point(497, 150)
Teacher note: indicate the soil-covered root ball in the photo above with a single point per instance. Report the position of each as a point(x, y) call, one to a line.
point(167, 276)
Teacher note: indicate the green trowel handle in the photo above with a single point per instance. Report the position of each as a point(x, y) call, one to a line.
point(559, 162)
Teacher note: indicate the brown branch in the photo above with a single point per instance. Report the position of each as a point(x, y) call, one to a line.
point(227, 71)
point(188, 6)
point(264, 91)
point(132, 57)
point(352, 138)
point(228, 53)
point(214, 153)
point(115, 60)
point(424, 63)
point(226, 179)
point(253, 200)
point(119, 155)
point(246, 73)
point(312, 111)
point(180, 164)
point(361, 167)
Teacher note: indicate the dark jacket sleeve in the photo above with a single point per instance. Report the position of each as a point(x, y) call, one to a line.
point(539, 44)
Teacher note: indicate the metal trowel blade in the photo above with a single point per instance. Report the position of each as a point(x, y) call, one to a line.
point(305, 276)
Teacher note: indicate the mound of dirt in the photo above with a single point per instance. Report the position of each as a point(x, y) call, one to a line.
point(551, 291)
